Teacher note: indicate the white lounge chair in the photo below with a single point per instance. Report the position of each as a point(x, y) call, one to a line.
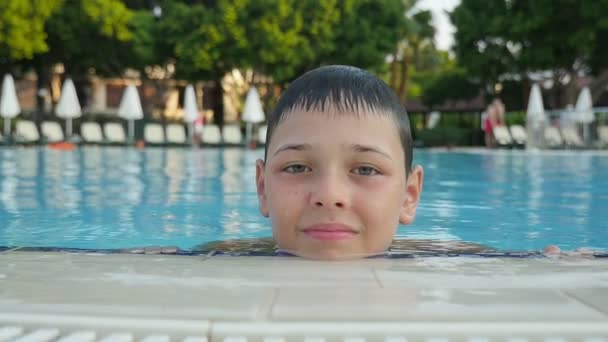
point(211, 135)
point(232, 135)
point(503, 138)
point(602, 136)
point(519, 135)
point(262, 134)
point(91, 132)
point(552, 137)
point(52, 131)
point(571, 137)
point(115, 133)
point(154, 134)
point(176, 134)
point(26, 131)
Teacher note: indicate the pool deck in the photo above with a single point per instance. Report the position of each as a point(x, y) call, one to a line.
point(122, 297)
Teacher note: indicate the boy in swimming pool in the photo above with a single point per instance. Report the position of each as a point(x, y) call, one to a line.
point(337, 175)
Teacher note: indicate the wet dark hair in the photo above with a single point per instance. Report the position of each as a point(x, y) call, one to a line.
point(342, 89)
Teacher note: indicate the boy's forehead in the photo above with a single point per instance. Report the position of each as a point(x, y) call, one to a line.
point(371, 126)
point(333, 113)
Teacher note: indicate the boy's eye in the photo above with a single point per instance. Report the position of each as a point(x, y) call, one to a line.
point(366, 171)
point(297, 168)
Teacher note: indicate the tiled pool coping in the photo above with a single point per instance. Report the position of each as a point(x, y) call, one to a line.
point(274, 296)
point(254, 253)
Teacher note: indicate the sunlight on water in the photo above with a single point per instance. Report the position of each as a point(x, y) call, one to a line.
point(122, 197)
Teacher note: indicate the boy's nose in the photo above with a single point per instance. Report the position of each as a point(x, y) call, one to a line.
point(330, 192)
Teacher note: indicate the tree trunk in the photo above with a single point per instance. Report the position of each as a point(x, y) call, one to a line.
point(404, 79)
point(42, 83)
point(570, 91)
point(394, 71)
point(555, 92)
point(218, 103)
point(82, 86)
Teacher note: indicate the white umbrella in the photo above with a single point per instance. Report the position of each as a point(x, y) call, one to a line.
point(130, 108)
point(584, 107)
point(68, 106)
point(190, 109)
point(9, 104)
point(584, 111)
point(252, 111)
point(535, 118)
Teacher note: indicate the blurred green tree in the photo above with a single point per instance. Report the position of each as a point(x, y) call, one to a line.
point(415, 46)
point(278, 38)
point(22, 27)
point(84, 35)
point(508, 40)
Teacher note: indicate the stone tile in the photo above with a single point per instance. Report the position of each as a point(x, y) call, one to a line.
point(491, 273)
point(251, 289)
point(409, 304)
point(596, 297)
point(350, 331)
point(163, 286)
point(289, 272)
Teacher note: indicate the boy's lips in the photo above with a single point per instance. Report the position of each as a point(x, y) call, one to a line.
point(330, 231)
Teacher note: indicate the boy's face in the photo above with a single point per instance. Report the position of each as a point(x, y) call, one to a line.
point(334, 186)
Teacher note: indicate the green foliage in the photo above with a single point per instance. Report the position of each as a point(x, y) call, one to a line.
point(499, 39)
point(279, 38)
point(145, 47)
point(450, 85)
point(110, 16)
point(515, 118)
point(22, 32)
point(366, 33)
point(275, 37)
point(444, 136)
point(513, 94)
point(483, 38)
point(85, 34)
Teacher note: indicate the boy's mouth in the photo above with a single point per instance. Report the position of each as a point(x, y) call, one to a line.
point(329, 231)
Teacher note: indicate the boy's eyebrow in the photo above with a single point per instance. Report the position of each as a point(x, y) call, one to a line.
point(296, 147)
point(366, 148)
point(356, 147)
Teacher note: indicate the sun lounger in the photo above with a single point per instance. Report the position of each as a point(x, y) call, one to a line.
point(91, 133)
point(210, 135)
point(571, 137)
point(262, 134)
point(176, 135)
point(503, 138)
point(602, 136)
point(52, 131)
point(231, 135)
point(154, 134)
point(26, 132)
point(518, 133)
point(552, 138)
point(115, 133)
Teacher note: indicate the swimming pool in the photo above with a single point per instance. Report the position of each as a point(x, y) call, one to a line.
point(111, 197)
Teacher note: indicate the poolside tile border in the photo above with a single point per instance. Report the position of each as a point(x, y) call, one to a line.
point(156, 250)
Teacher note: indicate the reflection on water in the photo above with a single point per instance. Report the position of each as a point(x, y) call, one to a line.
point(98, 197)
point(107, 197)
point(514, 200)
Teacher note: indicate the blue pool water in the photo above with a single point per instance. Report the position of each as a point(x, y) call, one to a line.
point(121, 197)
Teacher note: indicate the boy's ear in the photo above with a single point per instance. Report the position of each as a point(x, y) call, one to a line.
point(259, 182)
point(412, 196)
